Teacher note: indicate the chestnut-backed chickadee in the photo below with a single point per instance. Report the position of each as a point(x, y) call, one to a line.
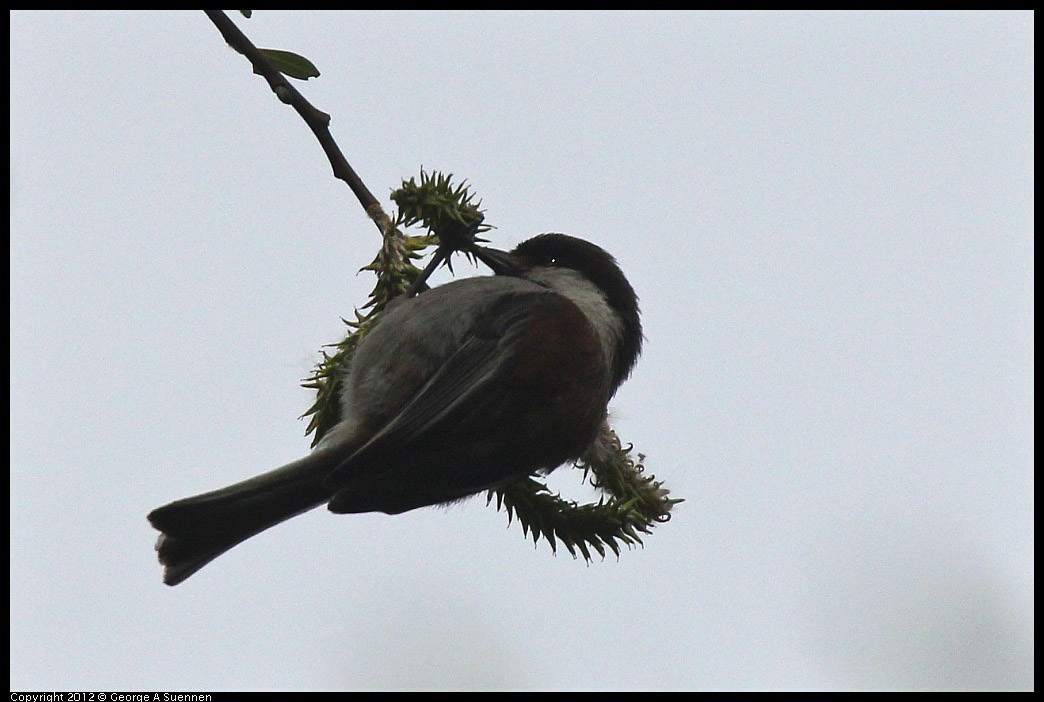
point(469, 385)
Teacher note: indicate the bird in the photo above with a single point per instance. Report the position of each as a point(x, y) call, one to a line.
point(467, 386)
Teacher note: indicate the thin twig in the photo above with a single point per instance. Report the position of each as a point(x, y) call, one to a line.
point(317, 120)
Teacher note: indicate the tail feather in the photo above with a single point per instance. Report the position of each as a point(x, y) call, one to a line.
point(196, 530)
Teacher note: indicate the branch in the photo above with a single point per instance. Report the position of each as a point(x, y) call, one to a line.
point(633, 503)
point(317, 120)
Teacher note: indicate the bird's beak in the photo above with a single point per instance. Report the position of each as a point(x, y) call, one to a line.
point(500, 262)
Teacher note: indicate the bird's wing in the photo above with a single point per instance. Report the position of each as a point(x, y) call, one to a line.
point(441, 445)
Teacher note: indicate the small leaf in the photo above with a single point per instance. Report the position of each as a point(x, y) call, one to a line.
point(246, 13)
point(291, 64)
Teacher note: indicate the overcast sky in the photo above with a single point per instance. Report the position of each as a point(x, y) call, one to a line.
point(828, 219)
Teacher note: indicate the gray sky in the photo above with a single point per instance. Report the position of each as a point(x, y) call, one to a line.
point(828, 218)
